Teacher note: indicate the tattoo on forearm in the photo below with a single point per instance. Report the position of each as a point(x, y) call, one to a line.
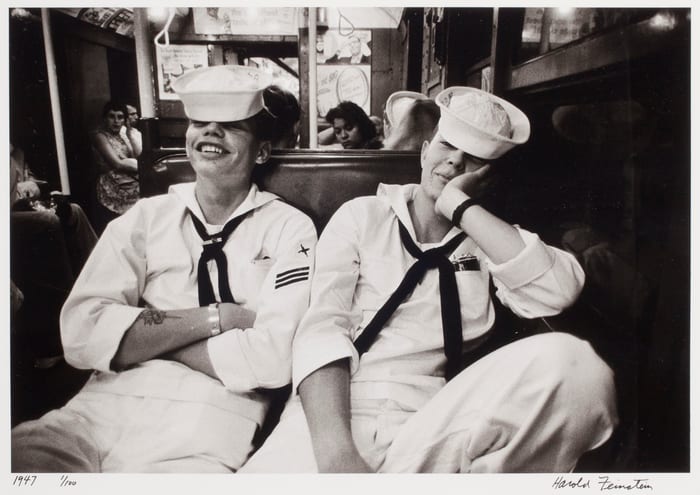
point(154, 316)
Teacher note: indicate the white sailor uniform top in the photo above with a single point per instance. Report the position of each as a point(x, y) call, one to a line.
point(361, 260)
point(149, 256)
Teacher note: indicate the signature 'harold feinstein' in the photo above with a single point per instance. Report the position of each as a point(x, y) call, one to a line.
point(603, 483)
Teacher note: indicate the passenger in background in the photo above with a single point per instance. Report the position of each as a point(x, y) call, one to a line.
point(285, 107)
point(409, 120)
point(186, 309)
point(130, 130)
point(118, 184)
point(401, 290)
point(351, 127)
point(395, 108)
point(50, 240)
point(29, 207)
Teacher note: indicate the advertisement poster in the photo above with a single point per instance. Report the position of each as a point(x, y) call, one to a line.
point(173, 61)
point(338, 83)
point(334, 47)
point(563, 27)
point(115, 19)
point(245, 21)
point(344, 69)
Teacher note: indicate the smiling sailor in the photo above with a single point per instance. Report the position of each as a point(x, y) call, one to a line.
point(186, 308)
point(401, 290)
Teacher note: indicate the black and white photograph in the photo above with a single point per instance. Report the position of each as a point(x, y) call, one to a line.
point(304, 248)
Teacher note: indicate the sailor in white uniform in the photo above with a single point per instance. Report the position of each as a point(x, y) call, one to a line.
point(401, 290)
point(186, 308)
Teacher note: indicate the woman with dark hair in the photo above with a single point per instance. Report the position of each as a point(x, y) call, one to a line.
point(352, 128)
point(118, 183)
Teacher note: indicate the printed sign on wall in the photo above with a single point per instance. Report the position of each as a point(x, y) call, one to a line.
point(344, 69)
point(338, 83)
point(245, 21)
point(173, 61)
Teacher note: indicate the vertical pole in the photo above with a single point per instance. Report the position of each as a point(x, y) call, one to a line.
point(506, 34)
point(144, 62)
point(313, 81)
point(145, 75)
point(495, 76)
point(55, 102)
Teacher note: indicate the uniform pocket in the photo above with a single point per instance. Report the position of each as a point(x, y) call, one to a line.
point(473, 287)
point(264, 263)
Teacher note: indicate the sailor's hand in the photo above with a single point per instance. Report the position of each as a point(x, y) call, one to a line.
point(234, 315)
point(473, 184)
point(464, 186)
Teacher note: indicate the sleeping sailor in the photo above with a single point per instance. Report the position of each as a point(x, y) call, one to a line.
point(186, 308)
point(401, 290)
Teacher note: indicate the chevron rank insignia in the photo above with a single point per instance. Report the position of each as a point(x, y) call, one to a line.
point(292, 276)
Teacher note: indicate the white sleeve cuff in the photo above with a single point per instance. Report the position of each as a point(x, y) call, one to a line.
point(313, 354)
point(529, 264)
point(100, 346)
point(229, 363)
point(449, 200)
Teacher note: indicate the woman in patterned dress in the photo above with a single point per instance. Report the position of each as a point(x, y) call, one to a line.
point(118, 183)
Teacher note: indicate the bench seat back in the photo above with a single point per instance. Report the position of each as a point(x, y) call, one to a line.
point(315, 181)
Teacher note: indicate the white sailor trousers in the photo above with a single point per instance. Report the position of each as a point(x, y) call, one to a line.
point(535, 405)
point(104, 432)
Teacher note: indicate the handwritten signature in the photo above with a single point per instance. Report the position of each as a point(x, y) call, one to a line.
point(603, 483)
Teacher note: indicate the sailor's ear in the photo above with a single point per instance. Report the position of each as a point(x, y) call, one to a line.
point(423, 152)
point(264, 152)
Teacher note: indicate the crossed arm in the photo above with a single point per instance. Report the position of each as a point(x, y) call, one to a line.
point(123, 164)
point(179, 335)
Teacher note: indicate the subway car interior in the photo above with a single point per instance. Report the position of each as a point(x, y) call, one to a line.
point(605, 174)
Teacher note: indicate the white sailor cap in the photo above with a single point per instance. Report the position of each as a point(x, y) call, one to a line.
point(480, 123)
point(397, 104)
point(222, 93)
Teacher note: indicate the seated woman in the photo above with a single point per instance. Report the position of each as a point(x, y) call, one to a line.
point(351, 127)
point(118, 184)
